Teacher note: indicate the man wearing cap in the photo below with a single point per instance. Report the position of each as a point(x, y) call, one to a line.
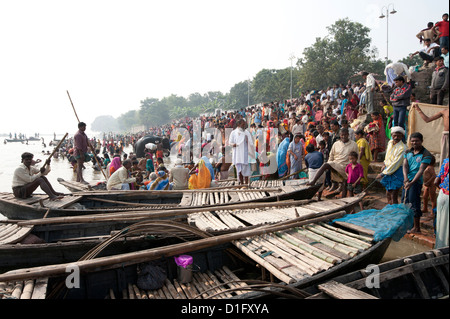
point(179, 175)
point(80, 150)
point(392, 172)
point(27, 178)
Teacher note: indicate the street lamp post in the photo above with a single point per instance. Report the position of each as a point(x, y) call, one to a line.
point(292, 57)
point(387, 26)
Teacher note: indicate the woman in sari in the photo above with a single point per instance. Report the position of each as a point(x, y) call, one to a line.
point(295, 151)
point(352, 107)
point(116, 163)
point(203, 177)
point(161, 182)
point(365, 155)
point(377, 135)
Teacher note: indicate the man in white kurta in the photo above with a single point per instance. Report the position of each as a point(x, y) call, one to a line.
point(120, 179)
point(242, 142)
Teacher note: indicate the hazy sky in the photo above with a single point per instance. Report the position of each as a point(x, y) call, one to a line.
point(112, 54)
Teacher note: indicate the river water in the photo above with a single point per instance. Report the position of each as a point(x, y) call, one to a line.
point(61, 168)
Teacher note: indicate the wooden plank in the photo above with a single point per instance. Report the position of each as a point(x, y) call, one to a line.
point(62, 203)
point(340, 291)
point(356, 228)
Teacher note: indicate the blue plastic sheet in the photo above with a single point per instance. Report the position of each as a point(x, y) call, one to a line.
point(392, 221)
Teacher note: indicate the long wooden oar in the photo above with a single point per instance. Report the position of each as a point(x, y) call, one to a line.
point(89, 143)
point(56, 148)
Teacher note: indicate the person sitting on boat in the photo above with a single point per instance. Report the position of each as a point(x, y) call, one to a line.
point(179, 175)
point(121, 178)
point(338, 161)
point(27, 178)
point(162, 181)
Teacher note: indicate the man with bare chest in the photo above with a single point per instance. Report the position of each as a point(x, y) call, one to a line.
point(444, 139)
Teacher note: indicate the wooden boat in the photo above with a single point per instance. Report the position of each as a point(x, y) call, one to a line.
point(86, 203)
point(420, 276)
point(293, 263)
point(61, 240)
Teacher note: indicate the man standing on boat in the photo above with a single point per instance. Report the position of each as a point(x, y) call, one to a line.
point(80, 150)
point(27, 178)
point(242, 142)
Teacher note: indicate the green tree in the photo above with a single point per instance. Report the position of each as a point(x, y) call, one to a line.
point(344, 52)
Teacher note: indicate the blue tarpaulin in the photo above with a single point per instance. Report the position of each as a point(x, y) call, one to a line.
point(392, 221)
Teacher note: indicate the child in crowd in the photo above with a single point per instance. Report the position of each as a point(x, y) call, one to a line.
point(355, 173)
point(429, 189)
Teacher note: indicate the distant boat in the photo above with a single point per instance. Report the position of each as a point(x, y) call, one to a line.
point(12, 140)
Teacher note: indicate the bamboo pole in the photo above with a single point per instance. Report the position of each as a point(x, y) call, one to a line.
point(155, 253)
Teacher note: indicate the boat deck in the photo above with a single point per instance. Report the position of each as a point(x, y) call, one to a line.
point(300, 253)
point(207, 285)
point(42, 200)
point(226, 220)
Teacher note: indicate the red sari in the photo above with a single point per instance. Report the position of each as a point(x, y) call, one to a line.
point(352, 108)
point(377, 137)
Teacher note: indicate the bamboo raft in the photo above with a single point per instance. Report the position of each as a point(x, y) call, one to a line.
point(204, 285)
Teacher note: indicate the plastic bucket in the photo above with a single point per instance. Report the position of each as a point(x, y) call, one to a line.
point(184, 268)
point(184, 275)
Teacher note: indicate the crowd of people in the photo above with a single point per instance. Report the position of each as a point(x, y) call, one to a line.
point(328, 136)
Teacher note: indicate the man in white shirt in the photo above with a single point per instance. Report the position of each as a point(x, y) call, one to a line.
point(27, 178)
point(242, 143)
point(120, 179)
point(428, 52)
point(298, 127)
point(179, 175)
point(394, 70)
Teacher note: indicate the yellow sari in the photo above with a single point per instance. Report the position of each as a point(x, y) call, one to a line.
point(366, 158)
point(202, 179)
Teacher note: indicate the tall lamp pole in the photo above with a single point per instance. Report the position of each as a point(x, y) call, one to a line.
point(385, 14)
point(292, 57)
